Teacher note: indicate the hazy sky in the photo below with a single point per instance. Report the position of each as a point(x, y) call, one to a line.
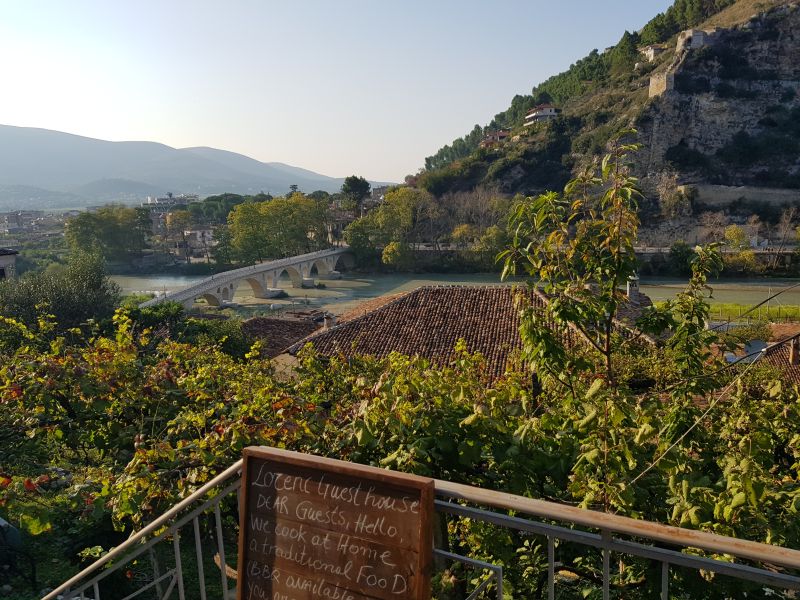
point(337, 86)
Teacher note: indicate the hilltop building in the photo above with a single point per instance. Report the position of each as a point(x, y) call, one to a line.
point(494, 138)
point(8, 263)
point(541, 113)
point(692, 39)
point(651, 52)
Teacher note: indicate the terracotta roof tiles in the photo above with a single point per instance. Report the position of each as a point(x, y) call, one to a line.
point(428, 322)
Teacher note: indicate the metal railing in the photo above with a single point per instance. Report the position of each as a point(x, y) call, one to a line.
point(237, 274)
point(156, 561)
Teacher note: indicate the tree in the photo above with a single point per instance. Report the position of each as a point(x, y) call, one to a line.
point(581, 249)
point(178, 222)
point(278, 228)
point(578, 249)
point(680, 258)
point(714, 223)
point(248, 234)
point(356, 189)
point(222, 251)
point(398, 255)
point(625, 54)
point(115, 231)
point(73, 294)
point(463, 235)
point(736, 238)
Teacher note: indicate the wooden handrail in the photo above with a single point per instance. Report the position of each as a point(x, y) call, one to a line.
point(618, 524)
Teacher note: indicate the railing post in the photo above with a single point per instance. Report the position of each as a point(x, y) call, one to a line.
point(176, 545)
point(664, 580)
point(223, 565)
point(551, 568)
point(156, 573)
point(198, 548)
point(606, 565)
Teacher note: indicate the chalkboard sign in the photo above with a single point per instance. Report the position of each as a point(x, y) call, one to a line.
point(313, 527)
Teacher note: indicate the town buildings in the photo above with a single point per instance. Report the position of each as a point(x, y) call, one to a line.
point(160, 206)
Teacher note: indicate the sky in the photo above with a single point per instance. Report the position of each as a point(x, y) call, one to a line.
point(341, 87)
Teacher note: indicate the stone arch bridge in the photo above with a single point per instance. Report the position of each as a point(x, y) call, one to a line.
point(262, 278)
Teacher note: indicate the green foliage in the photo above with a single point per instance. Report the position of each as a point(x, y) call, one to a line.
point(355, 189)
point(140, 426)
point(736, 237)
point(405, 216)
point(579, 246)
point(73, 293)
point(683, 14)
point(397, 255)
point(742, 334)
point(658, 432)
point(277, 228)
point(680, 258)
point(117, 232)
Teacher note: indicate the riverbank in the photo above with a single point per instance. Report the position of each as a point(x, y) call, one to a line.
point(345, 295)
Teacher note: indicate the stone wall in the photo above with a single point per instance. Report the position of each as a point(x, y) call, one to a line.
point(718, 196)
point(661, 83)
point(767, 48)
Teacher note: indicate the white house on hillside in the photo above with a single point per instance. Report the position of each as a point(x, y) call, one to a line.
point(543, 112)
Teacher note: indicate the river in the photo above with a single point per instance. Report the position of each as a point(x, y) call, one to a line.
point(343, 295)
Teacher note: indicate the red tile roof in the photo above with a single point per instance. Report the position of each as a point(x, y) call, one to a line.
point(278, 334)
point(777, 355)
point(428, 322)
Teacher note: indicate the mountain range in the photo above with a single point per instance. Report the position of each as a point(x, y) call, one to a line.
point(44, 169)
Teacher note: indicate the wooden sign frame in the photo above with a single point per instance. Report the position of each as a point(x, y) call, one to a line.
point(407, 491)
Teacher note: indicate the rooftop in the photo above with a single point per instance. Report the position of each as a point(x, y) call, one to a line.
point(428, 322)
point(7, 252)
point(278, 334)
point(781, 356)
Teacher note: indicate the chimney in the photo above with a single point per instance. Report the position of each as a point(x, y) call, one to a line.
point(794, 351)
point(329, 321)
point(633, 288)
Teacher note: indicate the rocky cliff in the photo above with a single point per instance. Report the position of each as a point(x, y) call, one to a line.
point(732, 115)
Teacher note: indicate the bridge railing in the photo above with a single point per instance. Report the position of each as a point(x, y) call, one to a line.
point(189, 550)
point(237, 274)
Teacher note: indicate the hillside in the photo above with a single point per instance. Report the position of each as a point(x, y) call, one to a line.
point(730, 118)
point(43, 169)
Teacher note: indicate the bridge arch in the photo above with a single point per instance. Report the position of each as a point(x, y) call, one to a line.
point(257, 286)
point(323, 267)
point(344, 262)
point(211, 299)
point(294, 275)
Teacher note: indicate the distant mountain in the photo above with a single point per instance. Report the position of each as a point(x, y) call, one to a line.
point(40, 168)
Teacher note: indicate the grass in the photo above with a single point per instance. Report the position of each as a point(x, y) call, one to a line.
point(740, 12)
point(728, 310)
point(733, 311)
